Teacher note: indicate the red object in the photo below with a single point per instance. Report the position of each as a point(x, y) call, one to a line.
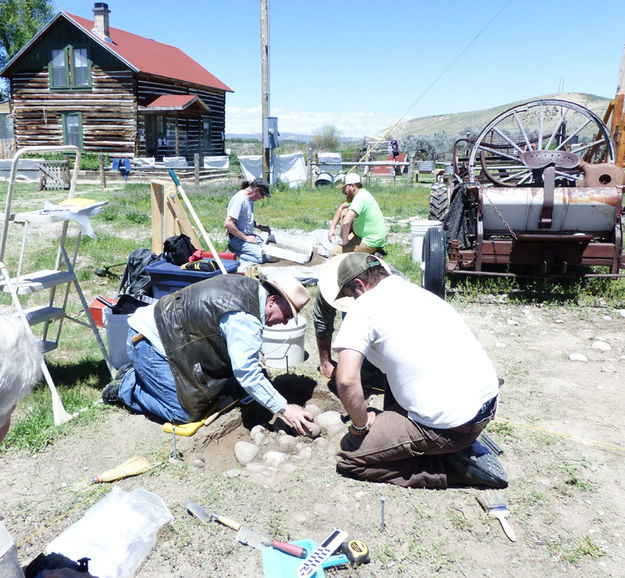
point(199, 254)
point(97, 311)
point(289, 548)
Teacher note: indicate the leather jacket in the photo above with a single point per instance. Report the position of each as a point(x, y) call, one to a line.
point(188, 325)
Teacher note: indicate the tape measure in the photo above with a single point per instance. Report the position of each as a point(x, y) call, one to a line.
point(356, 551)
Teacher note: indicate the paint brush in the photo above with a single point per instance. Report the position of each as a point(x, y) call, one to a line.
point(494, 506)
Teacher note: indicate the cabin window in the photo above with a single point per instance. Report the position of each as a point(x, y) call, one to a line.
point(72, 129)
point(70, 68)
point(206, 135)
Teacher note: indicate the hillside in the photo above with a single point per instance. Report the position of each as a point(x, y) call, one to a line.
point(476, 120)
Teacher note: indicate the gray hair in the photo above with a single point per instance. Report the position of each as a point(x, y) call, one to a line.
point(20, 361)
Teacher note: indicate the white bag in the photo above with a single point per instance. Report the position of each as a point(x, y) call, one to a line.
point(116, 534)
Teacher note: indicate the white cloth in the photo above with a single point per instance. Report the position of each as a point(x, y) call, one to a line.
point(436, 368)
point(241, 209)
point(9, 564)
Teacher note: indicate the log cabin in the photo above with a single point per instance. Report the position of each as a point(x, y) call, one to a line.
point(82, 82)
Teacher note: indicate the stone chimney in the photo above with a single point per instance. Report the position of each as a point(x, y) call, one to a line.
point(101, 20)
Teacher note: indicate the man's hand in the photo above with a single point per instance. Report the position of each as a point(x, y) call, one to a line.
point(299, 418)
point(251, 239)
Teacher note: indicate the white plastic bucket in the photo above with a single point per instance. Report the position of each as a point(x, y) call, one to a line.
point(284, 345)
point(417, 230)
point(116, 334)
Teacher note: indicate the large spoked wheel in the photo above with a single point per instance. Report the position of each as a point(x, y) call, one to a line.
point(433, 263)
point(548, 124)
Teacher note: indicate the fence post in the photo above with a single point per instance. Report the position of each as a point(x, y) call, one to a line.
point(309, 168)
point(196, 164)
point(102, 175)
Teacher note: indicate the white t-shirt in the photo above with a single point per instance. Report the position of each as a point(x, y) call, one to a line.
point(241, 209)
point(436, 368)
point(9, 564)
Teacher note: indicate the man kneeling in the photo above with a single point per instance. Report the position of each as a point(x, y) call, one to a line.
point(441, 394)
point(204, 341)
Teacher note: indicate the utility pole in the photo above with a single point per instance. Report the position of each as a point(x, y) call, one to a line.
point(264, 40)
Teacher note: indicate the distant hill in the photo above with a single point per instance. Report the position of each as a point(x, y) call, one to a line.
point(476, 120)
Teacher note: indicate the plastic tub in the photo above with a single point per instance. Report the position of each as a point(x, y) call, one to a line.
point(116, 334)
point(284, 345)
point(167, 277)
point(417, 230)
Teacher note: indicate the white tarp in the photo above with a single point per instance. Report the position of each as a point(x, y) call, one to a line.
point(288, 168)
point(217, 162)
point(329, 162)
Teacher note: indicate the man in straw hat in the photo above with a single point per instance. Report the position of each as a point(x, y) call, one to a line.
point(435, 407)
point(205, 340)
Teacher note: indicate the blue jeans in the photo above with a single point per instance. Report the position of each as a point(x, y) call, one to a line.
point(149, 386)
point(248, 251)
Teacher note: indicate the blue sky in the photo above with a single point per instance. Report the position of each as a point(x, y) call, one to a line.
point(362, 65)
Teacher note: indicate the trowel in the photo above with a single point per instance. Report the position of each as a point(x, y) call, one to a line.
point(246, 535)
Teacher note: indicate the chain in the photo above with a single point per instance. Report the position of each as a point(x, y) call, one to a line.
point(503, 220)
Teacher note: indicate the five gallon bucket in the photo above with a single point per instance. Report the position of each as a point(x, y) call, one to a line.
point(418, 229)
point(116, 334)
point(284, 345)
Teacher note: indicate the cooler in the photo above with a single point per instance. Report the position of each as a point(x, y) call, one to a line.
point(167, 277)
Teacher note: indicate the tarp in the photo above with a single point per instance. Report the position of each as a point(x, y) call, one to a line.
point(290, 169)
point(217, 162)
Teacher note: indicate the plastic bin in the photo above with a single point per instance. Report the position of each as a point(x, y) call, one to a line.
point(167, 277)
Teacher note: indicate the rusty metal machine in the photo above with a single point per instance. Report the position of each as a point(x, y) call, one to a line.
point(535, 194)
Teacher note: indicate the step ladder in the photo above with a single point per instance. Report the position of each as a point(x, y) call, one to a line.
point(62, 277)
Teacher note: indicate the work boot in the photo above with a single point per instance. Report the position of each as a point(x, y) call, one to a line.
point(475, 466)
point(110, 394)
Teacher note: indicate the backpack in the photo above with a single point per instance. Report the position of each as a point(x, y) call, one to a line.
point(178, 249)
point(135, 280)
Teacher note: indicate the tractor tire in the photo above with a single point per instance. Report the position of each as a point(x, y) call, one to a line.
point(439, 202)
point(434, 262)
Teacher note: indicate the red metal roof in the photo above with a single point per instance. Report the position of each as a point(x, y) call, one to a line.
point(153, 57)
point(176, 101)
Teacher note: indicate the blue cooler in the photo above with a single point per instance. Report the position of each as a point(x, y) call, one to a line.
point(167, 277)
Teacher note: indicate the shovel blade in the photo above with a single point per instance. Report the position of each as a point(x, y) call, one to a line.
point(251, 538)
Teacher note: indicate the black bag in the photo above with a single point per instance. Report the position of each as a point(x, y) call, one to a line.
point(135, 280)
point(178, 249)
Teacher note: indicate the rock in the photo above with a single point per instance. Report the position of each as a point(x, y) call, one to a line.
point(255, 468)
point(621, 312)
point(232, 473)
point(500, 345)
point(305, 452)
point(245, 452)
point(316, 431)
point(198, 463)
point(258, 433)
point(512, 322)
point(288, 468)
point(286, 444)
point(577, 357)
point(337, 428)
point(327, 418)
point(601, 346)
point(321, 443)
point(274, 459)
point(312, 409)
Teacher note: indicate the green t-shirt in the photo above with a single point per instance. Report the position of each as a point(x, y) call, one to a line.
point(369, 222)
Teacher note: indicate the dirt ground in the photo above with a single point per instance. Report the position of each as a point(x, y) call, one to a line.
point(560, 424)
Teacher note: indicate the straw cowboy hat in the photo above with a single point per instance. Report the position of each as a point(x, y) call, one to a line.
point(329, 279)
point(292, 290)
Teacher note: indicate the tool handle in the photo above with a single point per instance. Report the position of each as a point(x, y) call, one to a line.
point(226, 522)
point(292, 549)
point(507, 528)
point(185, 429)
